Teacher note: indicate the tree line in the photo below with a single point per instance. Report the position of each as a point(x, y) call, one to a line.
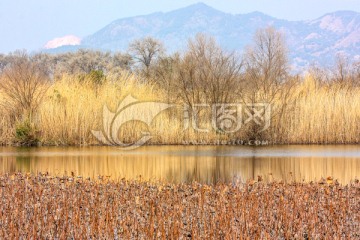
point(203, 73)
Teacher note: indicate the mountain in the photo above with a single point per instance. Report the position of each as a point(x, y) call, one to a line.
point(176, 27)
point(317, 40)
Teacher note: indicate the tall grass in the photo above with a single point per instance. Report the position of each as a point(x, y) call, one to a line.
point(322, 114)
point(71, 108)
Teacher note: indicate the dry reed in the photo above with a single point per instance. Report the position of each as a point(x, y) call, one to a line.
point(315, 114)
point(46, 207)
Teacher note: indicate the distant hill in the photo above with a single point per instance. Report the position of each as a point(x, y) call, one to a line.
point(317, 40)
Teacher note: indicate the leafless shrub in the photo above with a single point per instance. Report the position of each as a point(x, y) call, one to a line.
point(345, 73)
point(163, 74)
point(145, 51)
point(266, 78)
point(266, 65)
point(207, 73)
point(3, 62)
point(23, 84)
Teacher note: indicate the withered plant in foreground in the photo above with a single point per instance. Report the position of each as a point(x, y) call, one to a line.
point(47, 207)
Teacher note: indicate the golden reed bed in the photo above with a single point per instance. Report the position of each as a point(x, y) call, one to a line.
point(46, 207)
point(70, 110)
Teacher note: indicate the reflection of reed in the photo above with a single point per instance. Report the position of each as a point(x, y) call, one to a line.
point(307, 168)
point(7, 164)
point(165, 163)
point(155, 167)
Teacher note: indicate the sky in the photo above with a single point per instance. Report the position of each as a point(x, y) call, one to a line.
point(30, 24)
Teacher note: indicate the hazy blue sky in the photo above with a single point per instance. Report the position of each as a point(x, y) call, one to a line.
point(29, 24)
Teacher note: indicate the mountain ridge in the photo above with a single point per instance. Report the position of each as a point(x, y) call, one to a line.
point(309, 41)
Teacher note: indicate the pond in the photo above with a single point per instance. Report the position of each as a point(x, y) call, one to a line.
point(207, 164)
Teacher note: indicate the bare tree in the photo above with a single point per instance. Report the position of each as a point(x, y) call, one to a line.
point(118, 63)
point(266, 62)
point(46, 62)
point(342, 69)
point(3, 61)
point(345, 72)
point(164, 74)
point(23, 84)
point(120, 60)
point(207, 74)
point(145, 51)
point(82, 62)
point(266, 78)
point(356, 66)
point(321, 75)
point(85, 62)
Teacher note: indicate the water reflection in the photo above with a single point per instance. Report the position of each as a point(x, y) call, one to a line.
point(183, 164)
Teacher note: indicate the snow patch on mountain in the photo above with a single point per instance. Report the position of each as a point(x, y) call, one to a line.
point(318, 40)
point(69, 40)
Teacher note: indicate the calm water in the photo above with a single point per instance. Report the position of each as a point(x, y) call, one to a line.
point(187, 163)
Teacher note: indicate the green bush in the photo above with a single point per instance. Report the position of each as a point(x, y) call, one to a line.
point(25, 133)
point(96, 77)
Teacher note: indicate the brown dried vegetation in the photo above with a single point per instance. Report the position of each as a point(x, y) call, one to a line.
point(46, 207)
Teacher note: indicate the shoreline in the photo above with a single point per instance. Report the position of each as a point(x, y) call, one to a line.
point(184, 145)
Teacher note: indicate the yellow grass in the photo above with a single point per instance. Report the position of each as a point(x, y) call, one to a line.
point(323, 114)
point(72, 108)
